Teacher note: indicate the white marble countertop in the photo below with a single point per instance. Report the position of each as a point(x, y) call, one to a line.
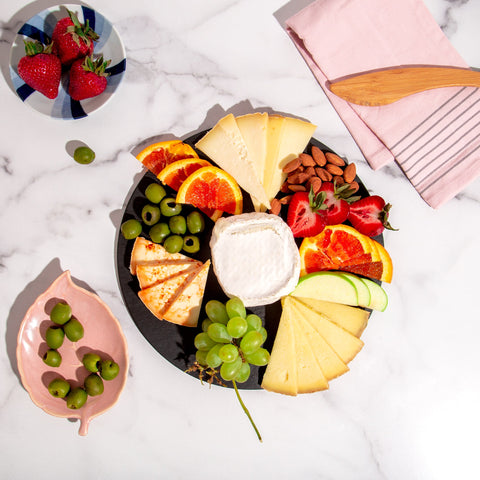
point(408, 409)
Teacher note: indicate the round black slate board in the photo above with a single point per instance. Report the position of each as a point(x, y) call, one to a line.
point(176, 343)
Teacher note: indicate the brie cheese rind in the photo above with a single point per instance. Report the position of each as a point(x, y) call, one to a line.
point(255, 257)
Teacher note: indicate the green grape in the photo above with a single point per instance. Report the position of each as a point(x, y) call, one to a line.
point(237, 327)
point(218, 333)
point(203, 342)
point(254, 322)
point(228, 371)
point(212, 358)
point(216, 311)
point(250, 342)
point(228, 353)
point(201, 357)
point(264, 333)
point(235, 308)
point(205, 324)
point(84, 155)
point(259, 357)
point(243, 373)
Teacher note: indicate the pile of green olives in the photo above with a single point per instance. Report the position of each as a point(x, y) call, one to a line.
point(65, 325)
point(100, 369)
point(166, 223)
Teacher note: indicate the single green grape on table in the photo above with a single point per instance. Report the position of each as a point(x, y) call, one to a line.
point(84, 155)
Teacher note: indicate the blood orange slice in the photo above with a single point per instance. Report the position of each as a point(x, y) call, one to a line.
point(177, 172)
point(211, 188)
point(158, 155)
point(341, 247)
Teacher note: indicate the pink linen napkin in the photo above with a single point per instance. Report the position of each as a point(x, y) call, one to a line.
point(434, 135)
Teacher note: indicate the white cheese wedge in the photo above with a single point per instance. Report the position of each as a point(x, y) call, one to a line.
point(286, 141)
point(253, 128)
point(185, 309)
point(225, 145)
point(255, 257)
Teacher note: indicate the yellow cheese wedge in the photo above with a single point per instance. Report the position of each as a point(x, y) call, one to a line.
point(281, 372)
point(186, 307)
point(224, 144)
point(159, 297)
point(352, 319)
point(310, 377)
point(293, 138)
point(345, 345)
point(276, 124)
point(331, 364)
point(150, 275)
point(146, 252)
point(253, 128)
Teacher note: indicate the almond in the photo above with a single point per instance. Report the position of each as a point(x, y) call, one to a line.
point(314, 184)
point(333, 169)
point(307, 160)
point(294, 178)
point(286, 200)
point(297, 188)
point(323, 174)
point(318, 156)
point(338, 179)
point(303, 177)
point(349, 173)
point(275, 206)
point(334, 159)
point(292, 165)
point(355, 186)
point(310, 171)
point(284, 188)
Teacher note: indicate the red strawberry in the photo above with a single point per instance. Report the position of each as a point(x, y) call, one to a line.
point(72, 40)
point(370, 215)
point(337, 200)
point(87, 78)
point(304, 215)
point(40, 69)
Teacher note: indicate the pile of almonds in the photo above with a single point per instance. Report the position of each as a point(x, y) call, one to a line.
point(309, 171)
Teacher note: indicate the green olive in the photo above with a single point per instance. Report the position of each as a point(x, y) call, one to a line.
point(93, 385)
point(173, 243)
point(109, 369)
point(155, 193)
point(91, 362)
point(178, 225)
point(150, 214)
point(84, 155)
point(131, 229)
point(169, 207)
point(191, 244)
point(195, 222)
point(59, 388)
point(73, 330)
point(52, 358)
point(159, 232)
point(61, 313)
point(76, 398)
point(54, 337)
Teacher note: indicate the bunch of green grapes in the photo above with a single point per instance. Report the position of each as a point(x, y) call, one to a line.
point(231, 340)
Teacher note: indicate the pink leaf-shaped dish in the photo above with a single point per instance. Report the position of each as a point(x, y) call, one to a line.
point(103, 335)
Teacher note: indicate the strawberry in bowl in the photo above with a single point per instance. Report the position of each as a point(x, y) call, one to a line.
point(88, 78)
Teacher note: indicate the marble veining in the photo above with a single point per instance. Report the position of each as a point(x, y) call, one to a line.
point(408, 408)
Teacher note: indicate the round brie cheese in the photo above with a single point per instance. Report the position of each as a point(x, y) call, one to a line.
point(255, 257)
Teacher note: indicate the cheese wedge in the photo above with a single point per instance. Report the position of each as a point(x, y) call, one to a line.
point(330, 363)
point(150, 275)
point(253, 128)
point(146, 252)
point(286, 141)
point(161, 296)
point(185, 309)
point(345, 345)
point(225, 145)
point(281, 372)
point(352, 319)
point(310, 377)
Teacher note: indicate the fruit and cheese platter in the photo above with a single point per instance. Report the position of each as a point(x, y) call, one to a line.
point(67, 61)
point(289, 261)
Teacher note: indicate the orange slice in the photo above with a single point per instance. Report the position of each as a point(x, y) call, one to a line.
point(158, 155)
point(177, 172)
point(211, 188)
point(341, 247)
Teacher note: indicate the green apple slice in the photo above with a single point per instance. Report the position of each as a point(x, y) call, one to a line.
point(330, 286)
point(363, 292)
point(378, 296)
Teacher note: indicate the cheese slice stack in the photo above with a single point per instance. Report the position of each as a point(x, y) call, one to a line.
point(254, 148)
point(171, 284)
point(311, 348)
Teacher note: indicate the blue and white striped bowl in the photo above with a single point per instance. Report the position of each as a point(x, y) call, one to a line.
point(40, 27)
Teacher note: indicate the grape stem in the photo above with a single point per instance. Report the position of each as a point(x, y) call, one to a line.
point(245, 409)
